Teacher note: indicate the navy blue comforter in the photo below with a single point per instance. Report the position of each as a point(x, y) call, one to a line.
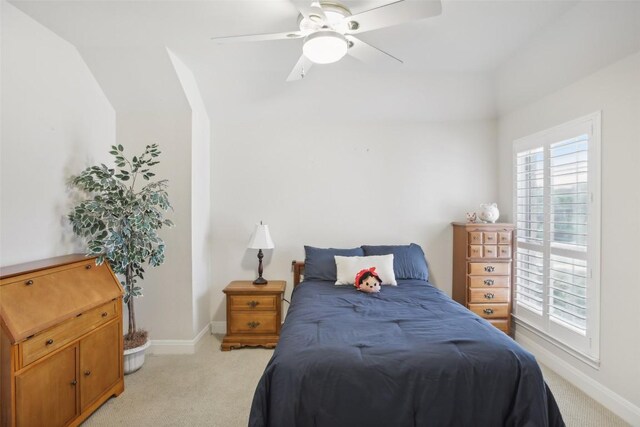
point(408, 356)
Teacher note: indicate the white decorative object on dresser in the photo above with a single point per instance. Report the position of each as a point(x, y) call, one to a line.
point(489, 212)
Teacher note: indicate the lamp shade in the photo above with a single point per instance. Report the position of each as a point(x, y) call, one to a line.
point(325, 47)
point(261, 238)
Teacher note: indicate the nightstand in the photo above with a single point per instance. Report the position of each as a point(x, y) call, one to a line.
point(254, 314)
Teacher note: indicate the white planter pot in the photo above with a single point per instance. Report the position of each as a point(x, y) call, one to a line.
point(134, 358)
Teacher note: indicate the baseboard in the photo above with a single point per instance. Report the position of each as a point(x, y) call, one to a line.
point(605, 396)
point(177, 346)
point(218, 327)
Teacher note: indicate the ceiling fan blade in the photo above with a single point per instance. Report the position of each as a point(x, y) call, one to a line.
point(393, 14)
point(259, 37)
point(370, 54)
point(310, 10)
point(300, 70)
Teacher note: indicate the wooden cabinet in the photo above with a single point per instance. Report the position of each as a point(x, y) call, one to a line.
point(483, 270)
point(46, 394)
point(99, 363)
point(61, 337)
point(254, 314)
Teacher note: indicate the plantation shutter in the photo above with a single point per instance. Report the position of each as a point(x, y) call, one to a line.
point(568, 225)
point(556, 188)
point(530, 229)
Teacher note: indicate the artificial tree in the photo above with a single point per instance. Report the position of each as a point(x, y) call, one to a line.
point(120, 221)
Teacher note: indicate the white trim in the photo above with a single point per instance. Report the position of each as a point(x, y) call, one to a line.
point(523, 323)
point(177, 346)
point(602, 394)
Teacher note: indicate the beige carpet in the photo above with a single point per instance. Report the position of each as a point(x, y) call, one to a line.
point(215, 388)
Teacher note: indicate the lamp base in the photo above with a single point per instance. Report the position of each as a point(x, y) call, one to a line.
point(260, 281)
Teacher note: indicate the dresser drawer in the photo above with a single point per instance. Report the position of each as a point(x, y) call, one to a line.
point(503, 325)
point(475, 251)
point(489, 268)
point(491, 295)
point(504, 251)
point(252, 302)
point(490, 238)
point(504, 237)
point(490, 251)
point(490, 311)
point(58, 336)
point(488, 281)
point(252, 322)
point(475, 237)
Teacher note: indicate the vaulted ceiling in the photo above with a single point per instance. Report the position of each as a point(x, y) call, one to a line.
point(449, 57)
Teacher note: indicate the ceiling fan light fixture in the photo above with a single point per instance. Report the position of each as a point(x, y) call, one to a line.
point(325, 47)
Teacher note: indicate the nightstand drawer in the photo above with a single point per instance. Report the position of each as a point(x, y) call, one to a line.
point(489, 268)
point(489, 295)
point(253, 322)
point(489, 281)
point(490, 311)
point(253, 302)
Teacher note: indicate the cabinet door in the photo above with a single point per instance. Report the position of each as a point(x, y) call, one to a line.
point(46, 393)
point(99, 362)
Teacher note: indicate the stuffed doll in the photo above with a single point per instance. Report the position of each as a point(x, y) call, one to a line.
point(368, 281)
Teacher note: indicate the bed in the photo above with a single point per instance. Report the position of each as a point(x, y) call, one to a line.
point(407, 356)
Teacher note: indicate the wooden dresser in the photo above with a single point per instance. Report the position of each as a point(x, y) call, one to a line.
point(483, 256)
point(61, 341)
point(254, 314)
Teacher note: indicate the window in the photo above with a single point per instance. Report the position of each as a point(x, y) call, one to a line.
point(557, 215)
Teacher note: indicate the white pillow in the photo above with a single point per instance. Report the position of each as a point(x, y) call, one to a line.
point(348, 266)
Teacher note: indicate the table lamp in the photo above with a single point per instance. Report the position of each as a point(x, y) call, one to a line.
point(261, 239)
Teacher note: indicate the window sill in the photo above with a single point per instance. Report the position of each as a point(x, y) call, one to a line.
point(593, 362)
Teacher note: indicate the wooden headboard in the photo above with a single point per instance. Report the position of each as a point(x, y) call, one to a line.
point(298, 271)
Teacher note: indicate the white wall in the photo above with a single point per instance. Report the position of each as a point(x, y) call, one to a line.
point(200, 196)
point(614, 90)
point(343, 185)
point(586, 38)
point(151, 107)
point(166, 309)
point(55, 121)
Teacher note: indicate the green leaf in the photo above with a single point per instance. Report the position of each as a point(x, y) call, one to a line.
point(120, 147)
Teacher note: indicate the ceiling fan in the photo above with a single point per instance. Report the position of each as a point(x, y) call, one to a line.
point(329, 31)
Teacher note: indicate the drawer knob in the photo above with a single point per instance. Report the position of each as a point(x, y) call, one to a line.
point(87, 373)
point(29, 282)
point(489, 268)
point(105, 314)
point(488, 311)
point(488, 282)
point(253, 304)
point(74, 382)
point(489, 295)
point(49, 341)
point(253, 325)
point(87, 267)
